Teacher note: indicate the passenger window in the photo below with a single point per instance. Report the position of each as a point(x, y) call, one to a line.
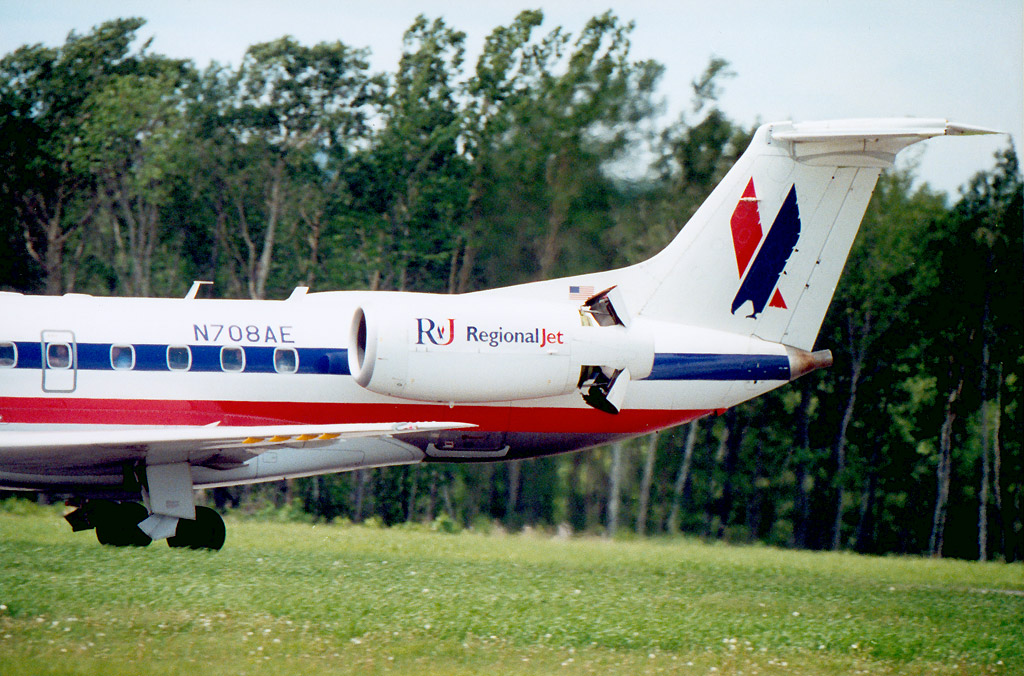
point(286, 360)
point(58, 356)
point(8, 355)
point(232, 358)
point(179, 358)
point(122, 357)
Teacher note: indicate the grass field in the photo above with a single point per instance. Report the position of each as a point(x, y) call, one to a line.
point(300, 599)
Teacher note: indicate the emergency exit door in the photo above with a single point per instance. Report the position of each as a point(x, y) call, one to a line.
point(60, 361)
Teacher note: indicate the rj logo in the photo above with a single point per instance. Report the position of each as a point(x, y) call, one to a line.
point(437, 335)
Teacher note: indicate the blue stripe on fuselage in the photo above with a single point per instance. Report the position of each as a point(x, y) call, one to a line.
point(334, 361)
point(669, 366)
point(205, 358)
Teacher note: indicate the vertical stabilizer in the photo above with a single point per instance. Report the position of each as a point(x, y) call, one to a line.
point(763, 255)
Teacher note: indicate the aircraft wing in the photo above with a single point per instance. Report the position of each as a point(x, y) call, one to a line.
point(212, 445)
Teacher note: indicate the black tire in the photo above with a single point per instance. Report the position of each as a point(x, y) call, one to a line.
point(101, 515)
point(213, 525)
point(206, 532)
point(117, 524)
point(185, 535)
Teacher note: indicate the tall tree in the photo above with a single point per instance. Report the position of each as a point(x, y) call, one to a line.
point(418, 177)
point(615, 487)
point(286, 110)
point(885, 276)
point(501, 85)
point(559, 110)
point(682, 477)
point(650, 455)
point(127, 143)
point(980, 292)
point(45, 90)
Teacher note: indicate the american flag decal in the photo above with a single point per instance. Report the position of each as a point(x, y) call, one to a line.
point(580, 292)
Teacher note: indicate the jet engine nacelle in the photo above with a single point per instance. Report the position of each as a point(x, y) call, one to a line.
point(469, 349)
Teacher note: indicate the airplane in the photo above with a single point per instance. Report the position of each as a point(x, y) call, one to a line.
point(128, 405)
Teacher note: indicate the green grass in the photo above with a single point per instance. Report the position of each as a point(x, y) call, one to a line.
point(300, 599)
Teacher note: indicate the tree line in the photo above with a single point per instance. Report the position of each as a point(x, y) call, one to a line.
point(126, 172)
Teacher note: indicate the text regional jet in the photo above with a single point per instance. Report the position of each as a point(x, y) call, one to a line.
point(126, 405)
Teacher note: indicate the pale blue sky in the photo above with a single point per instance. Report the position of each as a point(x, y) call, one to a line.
point(795, 59)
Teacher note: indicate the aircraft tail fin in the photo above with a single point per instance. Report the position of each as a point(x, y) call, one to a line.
point(763, 255)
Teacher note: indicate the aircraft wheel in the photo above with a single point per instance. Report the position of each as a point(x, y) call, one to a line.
point(206, 532)
point(117, 524)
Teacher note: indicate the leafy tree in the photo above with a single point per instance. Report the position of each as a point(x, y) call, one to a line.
point(128, 145)
point(555, 112)
point(500, 85)
point(19, 139)
point(416, 184)
point(886, 275)
point(269, 127)
point(975, 311)
point(45, 92)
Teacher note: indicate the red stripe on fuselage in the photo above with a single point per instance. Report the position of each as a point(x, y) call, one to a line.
point(68, 411)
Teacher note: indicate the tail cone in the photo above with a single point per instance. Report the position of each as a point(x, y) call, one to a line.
point(802, 362)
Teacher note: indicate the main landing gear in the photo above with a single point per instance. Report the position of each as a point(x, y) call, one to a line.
point(117, 524)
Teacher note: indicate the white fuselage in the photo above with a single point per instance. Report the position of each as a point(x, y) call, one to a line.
point(82, 363)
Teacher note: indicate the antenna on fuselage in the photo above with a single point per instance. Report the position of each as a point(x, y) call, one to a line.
point(191, 295)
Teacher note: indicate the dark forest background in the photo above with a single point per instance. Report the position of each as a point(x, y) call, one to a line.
point(124, 172)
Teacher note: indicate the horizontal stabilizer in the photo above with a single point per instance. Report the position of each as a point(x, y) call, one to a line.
point(861, 143)
point(873, 129)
